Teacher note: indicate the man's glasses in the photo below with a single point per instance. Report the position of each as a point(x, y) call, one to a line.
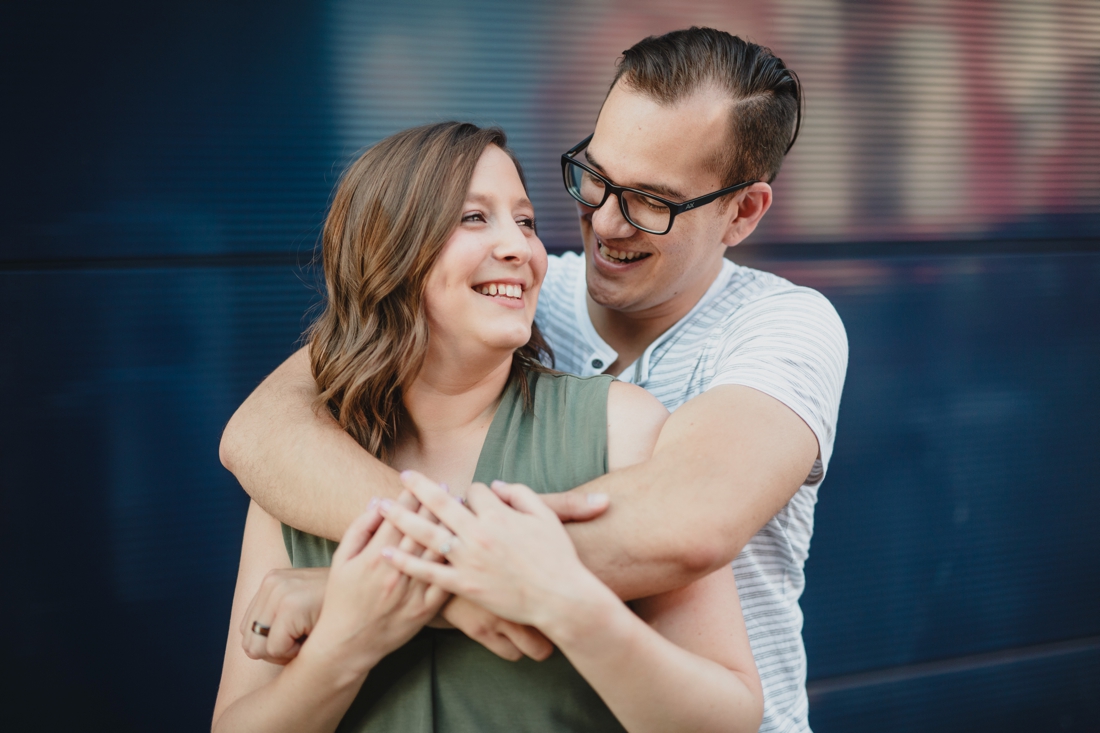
point(644, 211)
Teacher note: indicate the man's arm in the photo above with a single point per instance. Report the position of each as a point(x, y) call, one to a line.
point(298, 463)
point(725, 463)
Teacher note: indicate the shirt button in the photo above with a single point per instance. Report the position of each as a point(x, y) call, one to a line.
point(597, 364)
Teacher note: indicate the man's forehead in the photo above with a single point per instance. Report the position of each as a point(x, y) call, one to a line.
point(639, 140)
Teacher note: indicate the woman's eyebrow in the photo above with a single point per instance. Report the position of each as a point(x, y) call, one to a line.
point(487, 200)
point(656, 188)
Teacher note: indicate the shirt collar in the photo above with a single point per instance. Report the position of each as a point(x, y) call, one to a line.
point(603, 355)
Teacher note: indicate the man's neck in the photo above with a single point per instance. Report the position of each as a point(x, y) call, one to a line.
point(631, 333)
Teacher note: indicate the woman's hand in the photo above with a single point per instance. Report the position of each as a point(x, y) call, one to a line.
point(508, 552)
point(370, 608)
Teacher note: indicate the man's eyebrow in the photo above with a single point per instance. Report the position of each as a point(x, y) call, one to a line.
point(656, 188)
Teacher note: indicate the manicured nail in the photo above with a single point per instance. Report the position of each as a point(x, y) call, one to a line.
point(406, 475)
point(445, 487)
point(498, 484)
point(373, 504)
point(596, 499)
point(385, 506)
point(387, 552)
point(461, 500)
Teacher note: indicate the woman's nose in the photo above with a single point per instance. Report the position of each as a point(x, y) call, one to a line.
point(513, 244)
point(608, 220)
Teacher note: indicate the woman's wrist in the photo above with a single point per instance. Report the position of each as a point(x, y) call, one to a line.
point(337, 660)
point(586, 612)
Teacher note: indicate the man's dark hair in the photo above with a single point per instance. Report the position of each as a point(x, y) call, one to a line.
point(766, 96)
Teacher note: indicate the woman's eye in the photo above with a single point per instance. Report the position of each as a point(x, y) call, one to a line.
point(526, 221)
point(473, 216)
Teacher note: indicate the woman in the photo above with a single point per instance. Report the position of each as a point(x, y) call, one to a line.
point(428, 356)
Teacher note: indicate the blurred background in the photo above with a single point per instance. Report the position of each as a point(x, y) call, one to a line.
point(166, 169)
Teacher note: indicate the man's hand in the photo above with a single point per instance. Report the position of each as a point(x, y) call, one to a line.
point(505, 639)
point(289, 602)
point(576, 506)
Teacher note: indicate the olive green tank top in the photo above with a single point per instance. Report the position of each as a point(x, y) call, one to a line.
point(443, 682)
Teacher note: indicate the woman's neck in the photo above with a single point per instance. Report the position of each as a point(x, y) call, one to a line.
point(450, 406)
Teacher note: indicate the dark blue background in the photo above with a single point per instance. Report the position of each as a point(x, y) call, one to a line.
point(166, 170)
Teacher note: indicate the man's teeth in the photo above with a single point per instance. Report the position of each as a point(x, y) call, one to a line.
point(615, 254)
point(508, 291)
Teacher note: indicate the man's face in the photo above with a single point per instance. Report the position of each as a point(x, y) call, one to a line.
point(663, 149)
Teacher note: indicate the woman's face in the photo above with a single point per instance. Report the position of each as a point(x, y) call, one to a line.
point(482, 291)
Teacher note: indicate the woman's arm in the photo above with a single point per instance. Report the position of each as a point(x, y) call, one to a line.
point(369, 610)
point(691, 668)
point(511, 555)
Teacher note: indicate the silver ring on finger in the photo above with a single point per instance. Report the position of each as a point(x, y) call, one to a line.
point(447, 546)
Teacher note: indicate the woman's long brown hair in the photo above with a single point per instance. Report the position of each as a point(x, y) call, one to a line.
point(393, 211)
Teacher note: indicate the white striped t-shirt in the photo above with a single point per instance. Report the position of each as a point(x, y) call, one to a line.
point(755, 329)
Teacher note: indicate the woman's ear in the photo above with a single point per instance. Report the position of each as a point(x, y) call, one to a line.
point(745, 212)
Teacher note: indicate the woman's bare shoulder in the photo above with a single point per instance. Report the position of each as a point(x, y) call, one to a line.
point(634, 420)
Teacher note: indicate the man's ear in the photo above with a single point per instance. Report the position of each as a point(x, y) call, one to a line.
point(745, 212)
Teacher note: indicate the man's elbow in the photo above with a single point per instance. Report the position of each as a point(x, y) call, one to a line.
point(229, 449)
point(699, 555)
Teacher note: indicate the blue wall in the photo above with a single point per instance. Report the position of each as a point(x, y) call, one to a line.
point(166, 171)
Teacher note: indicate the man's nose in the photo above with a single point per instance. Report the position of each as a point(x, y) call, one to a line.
point(608, 221)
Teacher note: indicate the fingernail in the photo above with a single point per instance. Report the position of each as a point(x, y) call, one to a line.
point(385, 505)
point(461, 499)
point(406, 475)
point(387, 552)
point(373, 504)
point(595, 499)
point(497, 484)
point(445, 487)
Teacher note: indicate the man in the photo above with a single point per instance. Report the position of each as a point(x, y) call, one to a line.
point(751, 366)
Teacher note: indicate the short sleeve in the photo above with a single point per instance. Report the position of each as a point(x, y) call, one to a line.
point(790, 345)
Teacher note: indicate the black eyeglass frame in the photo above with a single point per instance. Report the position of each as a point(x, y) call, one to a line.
point(674, 209)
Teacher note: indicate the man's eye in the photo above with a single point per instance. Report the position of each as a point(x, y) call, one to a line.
point(526, 222)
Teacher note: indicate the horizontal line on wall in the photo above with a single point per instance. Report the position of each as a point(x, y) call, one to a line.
point(925, 248)
point(869, 250)
point(889, 675)
point(240, 259)
point(747, 252)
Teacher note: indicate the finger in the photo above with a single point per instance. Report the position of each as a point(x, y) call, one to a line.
point(430, 554)
point(254, 644)
point(522, 499)
point(451, 513)
point(408, 544)
point(419, 529)
point(280, 640)
point(387, 534)
point(432, 573)
point(435, 597)
point(253, 609)
point(483, 500)
point(571, 506)
point(527, 639)
point(358, 535)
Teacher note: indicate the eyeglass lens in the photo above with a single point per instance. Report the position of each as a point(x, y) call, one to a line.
point(640, 210)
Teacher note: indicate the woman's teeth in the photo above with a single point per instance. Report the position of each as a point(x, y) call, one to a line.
point(508, 291)
point(615, 254)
